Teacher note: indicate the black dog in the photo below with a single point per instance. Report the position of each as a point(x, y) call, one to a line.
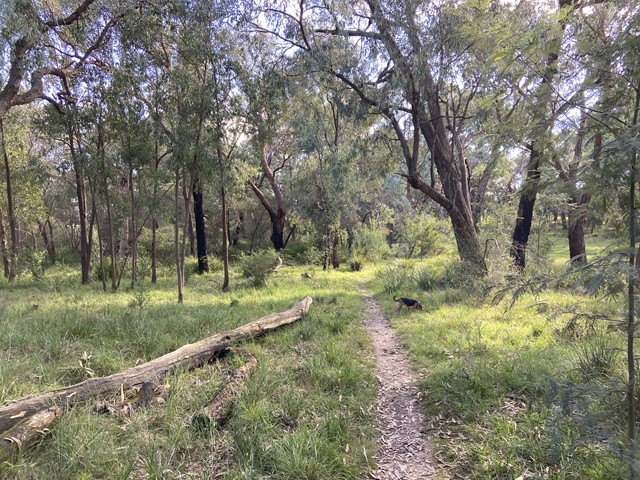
point(408, 302)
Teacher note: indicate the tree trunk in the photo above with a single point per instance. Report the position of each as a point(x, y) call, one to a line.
point(176, 235)
point(13, 246)
point(107, 198)
point(238, 231)
point(277, 229)
point(133, 238)
point(577, 246)
point(46, 231)
point(201, 237)
point(524, 220)
point(218, 409)
point(225, 239)
point(154, 250)
point(4, 246)
point(185, 358)
point(276, 215)
point(81, 193)
point(26, 433)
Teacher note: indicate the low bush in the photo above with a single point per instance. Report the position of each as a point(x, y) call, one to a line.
point(258, 266)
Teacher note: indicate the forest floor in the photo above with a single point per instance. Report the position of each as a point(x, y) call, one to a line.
point(404, 447)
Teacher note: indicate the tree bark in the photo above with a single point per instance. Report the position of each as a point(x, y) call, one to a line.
point(201, 237)
point(225, 239)
point(524, 220)
point(107, 198)
point(276, 215)
point(4, 245)
point(176, 234)
point(218, 409)
point(186, 357)
point(46, 231)
point(81, 193)
point(26, 433)
point(13, 244)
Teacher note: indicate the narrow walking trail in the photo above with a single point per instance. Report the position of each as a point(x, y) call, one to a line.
point(403, 445)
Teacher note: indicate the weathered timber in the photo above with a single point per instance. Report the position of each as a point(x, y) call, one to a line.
point(217, 410)
point(28, 431)
point(186, 357)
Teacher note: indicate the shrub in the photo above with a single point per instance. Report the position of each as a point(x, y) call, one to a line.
point(356, 263)
point(421, 237)
point(426, 278)
point(371, 240)
point(258, 266)
point(394, 277)
point(35, 262)
point(596, 358)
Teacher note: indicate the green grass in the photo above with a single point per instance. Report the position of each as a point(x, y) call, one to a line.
point(508, 392)
point(511, 391)
point(302, 414)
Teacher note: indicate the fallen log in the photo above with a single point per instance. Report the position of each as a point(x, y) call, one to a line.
point(218, 409)
point(186, 357)
point(28, 431)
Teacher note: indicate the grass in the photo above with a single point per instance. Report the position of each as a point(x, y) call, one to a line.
point(303, 413)
point(512, 392)
point(509, 392)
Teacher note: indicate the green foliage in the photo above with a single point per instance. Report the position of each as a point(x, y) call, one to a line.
point(370, 240)
point(356, 262)
point(597, 358)
point(421, 237)
point(395, 277)
point(425, 278)
point(35, 262)
point(258, 266)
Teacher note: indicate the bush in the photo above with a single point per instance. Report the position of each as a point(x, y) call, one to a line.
point(356, 263)
point(258, 266)
point(394, 277)
point(425, 278)
point(35, 262)
point(370, 241)
point(421, 237)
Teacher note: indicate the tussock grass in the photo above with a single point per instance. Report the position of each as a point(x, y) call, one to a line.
point(510, 391)
point(302, 414)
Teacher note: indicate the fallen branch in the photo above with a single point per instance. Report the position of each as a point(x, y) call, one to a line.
point(28, 431)
point(218, 409)
point(187, 357)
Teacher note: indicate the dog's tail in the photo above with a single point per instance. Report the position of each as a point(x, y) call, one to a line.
point(395, 299)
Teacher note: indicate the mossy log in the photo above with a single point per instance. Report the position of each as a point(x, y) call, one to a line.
point(218, 409)
point(28, 431)
point(187, 357)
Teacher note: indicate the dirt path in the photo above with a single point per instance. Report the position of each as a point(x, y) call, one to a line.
point(404, 448)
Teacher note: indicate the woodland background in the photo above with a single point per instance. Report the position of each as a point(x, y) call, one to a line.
point(425, 146)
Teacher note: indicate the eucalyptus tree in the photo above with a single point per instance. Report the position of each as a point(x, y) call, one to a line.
point(339, 161)
point(396, 59)
point(43, 45)
point(185, 48)
point(263, 80)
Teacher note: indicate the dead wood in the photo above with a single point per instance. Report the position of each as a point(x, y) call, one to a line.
point(186, 357)
point(219, 408)
point(28, 431)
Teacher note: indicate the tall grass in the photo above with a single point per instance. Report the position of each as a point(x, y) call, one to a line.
point(510, 390)
point(303, 414)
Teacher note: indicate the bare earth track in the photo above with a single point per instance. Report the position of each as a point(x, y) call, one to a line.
point(403, 446)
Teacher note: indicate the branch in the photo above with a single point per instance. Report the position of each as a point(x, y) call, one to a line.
point(73, 17)
point(350, 33)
